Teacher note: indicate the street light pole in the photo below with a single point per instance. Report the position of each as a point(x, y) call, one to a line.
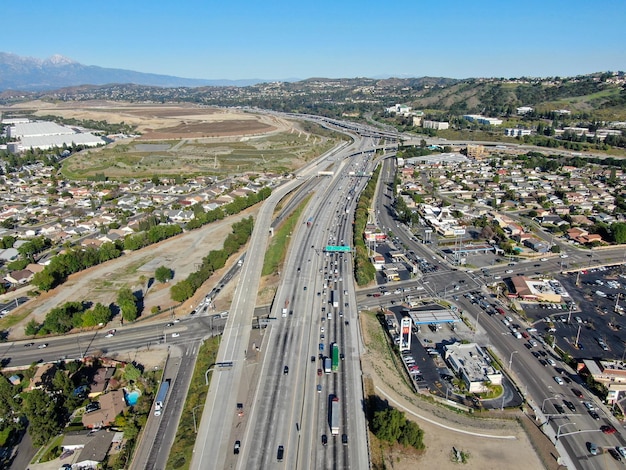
point(511, 358)
point(558, 430)
point(193, 412)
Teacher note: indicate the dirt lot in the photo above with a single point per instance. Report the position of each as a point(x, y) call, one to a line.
point(489, 443)
point(101, 283)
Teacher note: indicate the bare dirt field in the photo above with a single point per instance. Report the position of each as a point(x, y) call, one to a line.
point(101, 283)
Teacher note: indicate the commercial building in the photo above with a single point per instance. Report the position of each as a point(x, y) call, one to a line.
point(45, 135)
point(483, 119)
point(471, 364)
point(439, 125)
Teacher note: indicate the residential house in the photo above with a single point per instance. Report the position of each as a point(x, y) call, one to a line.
point(111, 405)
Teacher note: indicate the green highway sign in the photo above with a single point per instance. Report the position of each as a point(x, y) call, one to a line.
point(343, 249)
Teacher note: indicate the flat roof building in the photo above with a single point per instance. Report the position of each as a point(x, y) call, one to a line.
point(473, 366)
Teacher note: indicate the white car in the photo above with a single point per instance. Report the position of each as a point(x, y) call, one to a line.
point(42, 345)
point(558, 380)
point(564, 255)
point(175, 335)
point(543, 259)
point(508, 271)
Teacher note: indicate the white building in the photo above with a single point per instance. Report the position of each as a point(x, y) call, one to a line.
point(439, 125)
point(473, 366)
point(512, 132)
point(483, 119)
point(45, 135)
point(524, 109)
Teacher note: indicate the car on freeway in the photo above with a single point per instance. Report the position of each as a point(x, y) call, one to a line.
point(319, 388)
point(551, 362)
point(615, 454)
point(324, 439)
point(42, 346)
point(319, 372)
point(110, 333)
point(593, 449)
point(569, 405)
point(237, 447)
point(27, 345)
point(559, 408)
point(543, 259)
point(594, 415)
point(175, 335)
point(622, 451)
point(344, 439)
point(577, 393)
point(608, 429)
point(558, 380)
point(285, 370)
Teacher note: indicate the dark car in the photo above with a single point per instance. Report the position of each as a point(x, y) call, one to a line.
point(569, 405)
point(594, 415)
point(312, 358)
point(577, 393)
point(27, 345)
point(324, 439)
point(280, 453)
point(559, 408)
point(286, 370)
point(344, 439)
point(237, 447)
point(608, 429)
point(91, 407)
point(615, 454)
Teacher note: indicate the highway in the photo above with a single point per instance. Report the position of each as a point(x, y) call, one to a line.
point(289, 410)
point(280, 412)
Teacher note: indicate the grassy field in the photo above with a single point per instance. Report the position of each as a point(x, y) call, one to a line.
point(277, 250)
point(273, 153)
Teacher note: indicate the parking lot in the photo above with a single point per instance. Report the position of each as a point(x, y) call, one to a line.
point(433, 374)
point(591, 327)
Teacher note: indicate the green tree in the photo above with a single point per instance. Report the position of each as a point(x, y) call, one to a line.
point(618, 229)
point(412, 435)
point(163, 274)
point(387, 424)
point(128, 304)
point(31, 328)
point(44, 415)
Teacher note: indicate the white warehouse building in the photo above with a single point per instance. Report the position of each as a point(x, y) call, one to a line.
point(45, 135)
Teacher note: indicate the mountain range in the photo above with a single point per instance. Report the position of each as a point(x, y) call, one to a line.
point(31, 74)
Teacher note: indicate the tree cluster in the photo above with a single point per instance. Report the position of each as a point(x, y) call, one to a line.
point(391, 426)
point(154, 235)
point(215, 260)
point(70, 315)
point(73, 261)
point(364, 271)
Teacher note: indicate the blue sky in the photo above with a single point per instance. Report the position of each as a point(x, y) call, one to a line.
point(337, 39)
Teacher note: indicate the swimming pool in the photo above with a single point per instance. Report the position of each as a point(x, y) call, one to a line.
point(132, 397)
